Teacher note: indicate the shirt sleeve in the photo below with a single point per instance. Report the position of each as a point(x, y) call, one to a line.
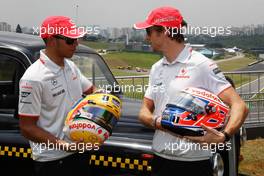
point(29, 98)
point(85, 83)
point(213, 78)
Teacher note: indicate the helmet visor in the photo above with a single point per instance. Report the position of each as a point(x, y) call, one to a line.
point(100, 115)
point(189, 102)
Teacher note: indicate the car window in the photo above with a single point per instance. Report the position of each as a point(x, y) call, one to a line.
point(92, 67)
point(7, 68)
point(10, 73)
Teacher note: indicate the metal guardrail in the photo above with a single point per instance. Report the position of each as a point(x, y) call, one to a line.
point(249, 85)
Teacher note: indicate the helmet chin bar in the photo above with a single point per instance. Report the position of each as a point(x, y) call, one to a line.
point(183, 131)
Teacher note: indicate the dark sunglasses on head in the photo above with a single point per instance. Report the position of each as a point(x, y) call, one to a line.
point(69, 41)
point(152, 28)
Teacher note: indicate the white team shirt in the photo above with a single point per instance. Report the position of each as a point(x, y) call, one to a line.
point(189, 69)
point(49, 91)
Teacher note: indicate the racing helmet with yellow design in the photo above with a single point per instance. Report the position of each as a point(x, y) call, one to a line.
point(92, 118)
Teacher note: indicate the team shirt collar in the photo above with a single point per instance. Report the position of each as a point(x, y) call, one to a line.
point(182, 57)
point(50, 64)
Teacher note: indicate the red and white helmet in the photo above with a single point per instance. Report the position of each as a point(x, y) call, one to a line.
point(192, 107)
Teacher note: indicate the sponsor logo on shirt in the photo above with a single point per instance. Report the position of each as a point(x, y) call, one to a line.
point(182, 74)
point(58, 93)
point(158, 84)
point(25, 102)
point(25, 94)
point(54, 82)
point(26, 86)
point(218, 73)
point(216, 70)
point(74, 76)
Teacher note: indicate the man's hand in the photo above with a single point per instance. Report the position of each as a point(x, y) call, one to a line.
point(211, 136)
point(101, 91)
point(157, 123)
point(69, 147)
point(159, 127)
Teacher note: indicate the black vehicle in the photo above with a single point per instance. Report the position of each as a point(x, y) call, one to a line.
point(127, 151)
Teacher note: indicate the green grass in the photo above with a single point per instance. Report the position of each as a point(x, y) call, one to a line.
point(253, 154)
point(236, 64)
point(137, 91)
point(134, 59)
point(239, 79)
point(233, 65)
point(117, 72)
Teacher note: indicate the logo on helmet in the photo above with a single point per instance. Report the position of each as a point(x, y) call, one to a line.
point(206, 95)
point(82, 126)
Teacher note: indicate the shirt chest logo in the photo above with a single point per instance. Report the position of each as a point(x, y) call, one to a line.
point(54, 84)
point(58, 93)
point(183, 74)
point(74, 76)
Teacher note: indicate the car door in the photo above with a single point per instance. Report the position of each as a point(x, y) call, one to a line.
point(13, 64)
point(14, 148)
point(11, 70)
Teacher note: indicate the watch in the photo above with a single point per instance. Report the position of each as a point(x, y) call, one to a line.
point(227, 136)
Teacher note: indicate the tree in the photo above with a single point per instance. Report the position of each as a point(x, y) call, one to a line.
point(18, 29)
point(215, 45)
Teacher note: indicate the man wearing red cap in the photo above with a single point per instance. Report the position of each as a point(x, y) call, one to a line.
point(182, 67)
point(48, 90)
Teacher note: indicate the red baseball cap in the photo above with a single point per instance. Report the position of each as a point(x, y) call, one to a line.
point(60, 25)
point(162, 16)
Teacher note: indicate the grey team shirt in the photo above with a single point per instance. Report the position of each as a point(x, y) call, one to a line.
point(190, 69)
point(48, 91)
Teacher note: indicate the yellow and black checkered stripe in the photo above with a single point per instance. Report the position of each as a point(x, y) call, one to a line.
point(97, 160)
point(119, 162)
point(15, 152)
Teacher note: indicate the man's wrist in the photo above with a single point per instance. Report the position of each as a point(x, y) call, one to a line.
point(227, 136)
point(154, 122)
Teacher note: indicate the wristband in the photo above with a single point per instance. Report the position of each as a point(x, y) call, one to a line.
point(155, 121)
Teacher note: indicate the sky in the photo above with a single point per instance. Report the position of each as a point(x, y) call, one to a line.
point(124, 13)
